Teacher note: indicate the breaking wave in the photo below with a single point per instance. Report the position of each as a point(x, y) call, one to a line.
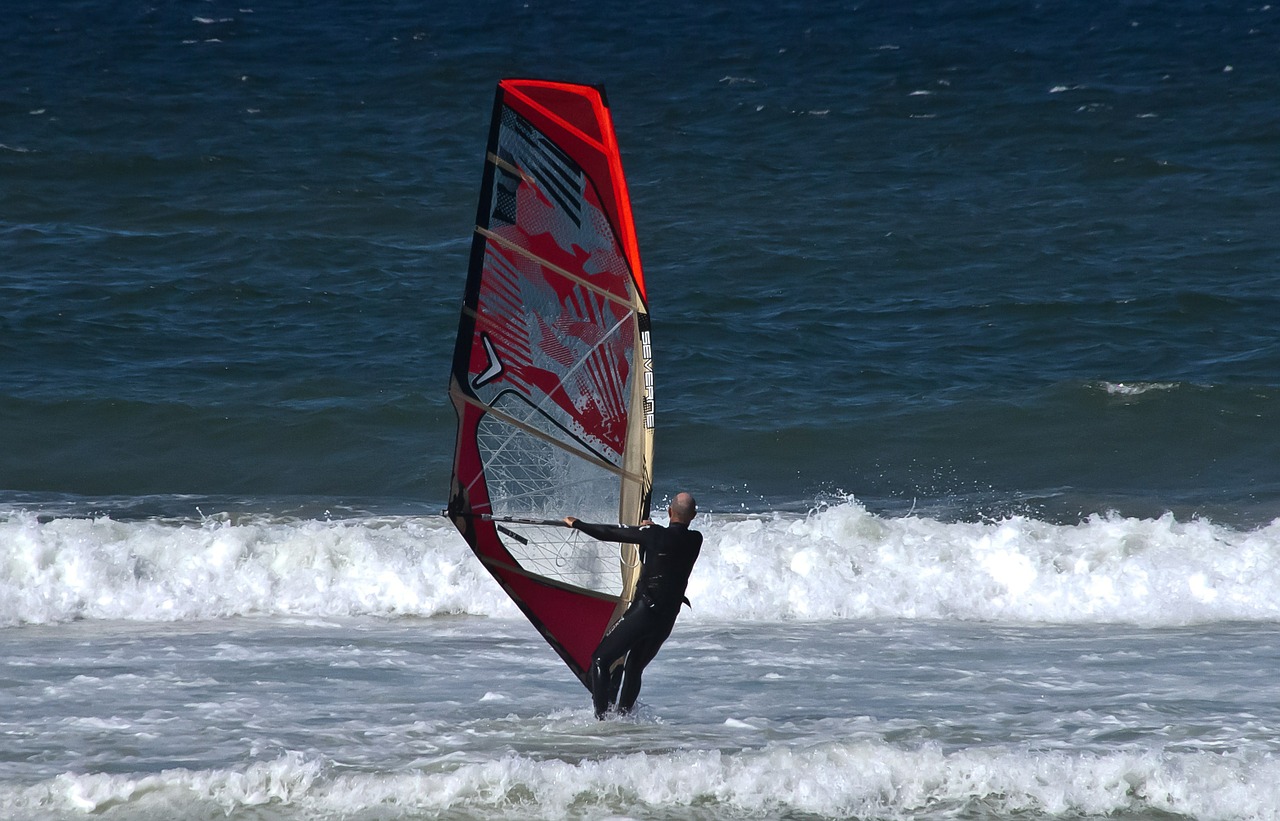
point(837, 562)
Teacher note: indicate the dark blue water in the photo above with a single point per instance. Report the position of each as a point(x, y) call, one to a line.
point(976, 258)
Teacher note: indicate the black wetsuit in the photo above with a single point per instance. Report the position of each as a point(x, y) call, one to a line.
point(668, 554)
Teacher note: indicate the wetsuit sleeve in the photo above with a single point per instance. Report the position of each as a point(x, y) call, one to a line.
point(611, 533)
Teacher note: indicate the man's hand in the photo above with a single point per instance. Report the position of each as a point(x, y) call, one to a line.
point(569, 520)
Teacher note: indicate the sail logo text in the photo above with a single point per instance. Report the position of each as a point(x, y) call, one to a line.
point(646, 360)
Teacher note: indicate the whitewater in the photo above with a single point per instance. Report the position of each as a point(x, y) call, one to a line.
point(838, 561)
point(837, 663)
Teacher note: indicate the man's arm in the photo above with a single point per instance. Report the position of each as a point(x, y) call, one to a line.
point(606, 533)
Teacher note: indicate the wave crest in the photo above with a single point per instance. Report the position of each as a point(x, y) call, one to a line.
point(837, 779)
point(837, 562)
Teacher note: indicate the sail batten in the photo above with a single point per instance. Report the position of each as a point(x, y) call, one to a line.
point(552, 371)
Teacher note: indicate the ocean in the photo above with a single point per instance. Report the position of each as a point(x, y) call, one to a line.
point(965, 328)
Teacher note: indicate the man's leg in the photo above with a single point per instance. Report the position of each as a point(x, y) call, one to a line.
point(630, 628)
point(599, 680)
point(615, 681)
point(642, 652)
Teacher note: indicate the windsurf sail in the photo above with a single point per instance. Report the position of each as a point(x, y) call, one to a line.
point(552, 374)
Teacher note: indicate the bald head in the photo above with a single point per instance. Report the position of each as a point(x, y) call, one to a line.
point(683, 508)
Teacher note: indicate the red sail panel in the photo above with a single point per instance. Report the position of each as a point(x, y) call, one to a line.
point(552, 372)
point(579, 117)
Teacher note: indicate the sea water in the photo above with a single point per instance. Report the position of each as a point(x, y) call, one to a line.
point(965, 333)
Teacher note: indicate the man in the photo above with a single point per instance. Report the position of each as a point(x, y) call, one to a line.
point(668, 554)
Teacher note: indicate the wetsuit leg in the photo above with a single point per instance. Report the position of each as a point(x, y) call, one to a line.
point(613, 686)
point(599, 679)
point(642, 652)
point(632, 627)
point(615, 683)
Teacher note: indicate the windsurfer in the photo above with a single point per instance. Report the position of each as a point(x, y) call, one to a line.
point(668, 554)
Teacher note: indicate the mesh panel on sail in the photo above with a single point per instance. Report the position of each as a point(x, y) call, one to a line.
point(528, 476)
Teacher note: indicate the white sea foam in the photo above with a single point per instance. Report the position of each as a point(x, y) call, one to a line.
point(845, 562)
point(839, 562)
point(832, 779)
point(1137, 388)
point(102, 569)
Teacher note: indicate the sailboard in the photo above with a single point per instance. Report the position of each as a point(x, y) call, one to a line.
point(552, 377)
